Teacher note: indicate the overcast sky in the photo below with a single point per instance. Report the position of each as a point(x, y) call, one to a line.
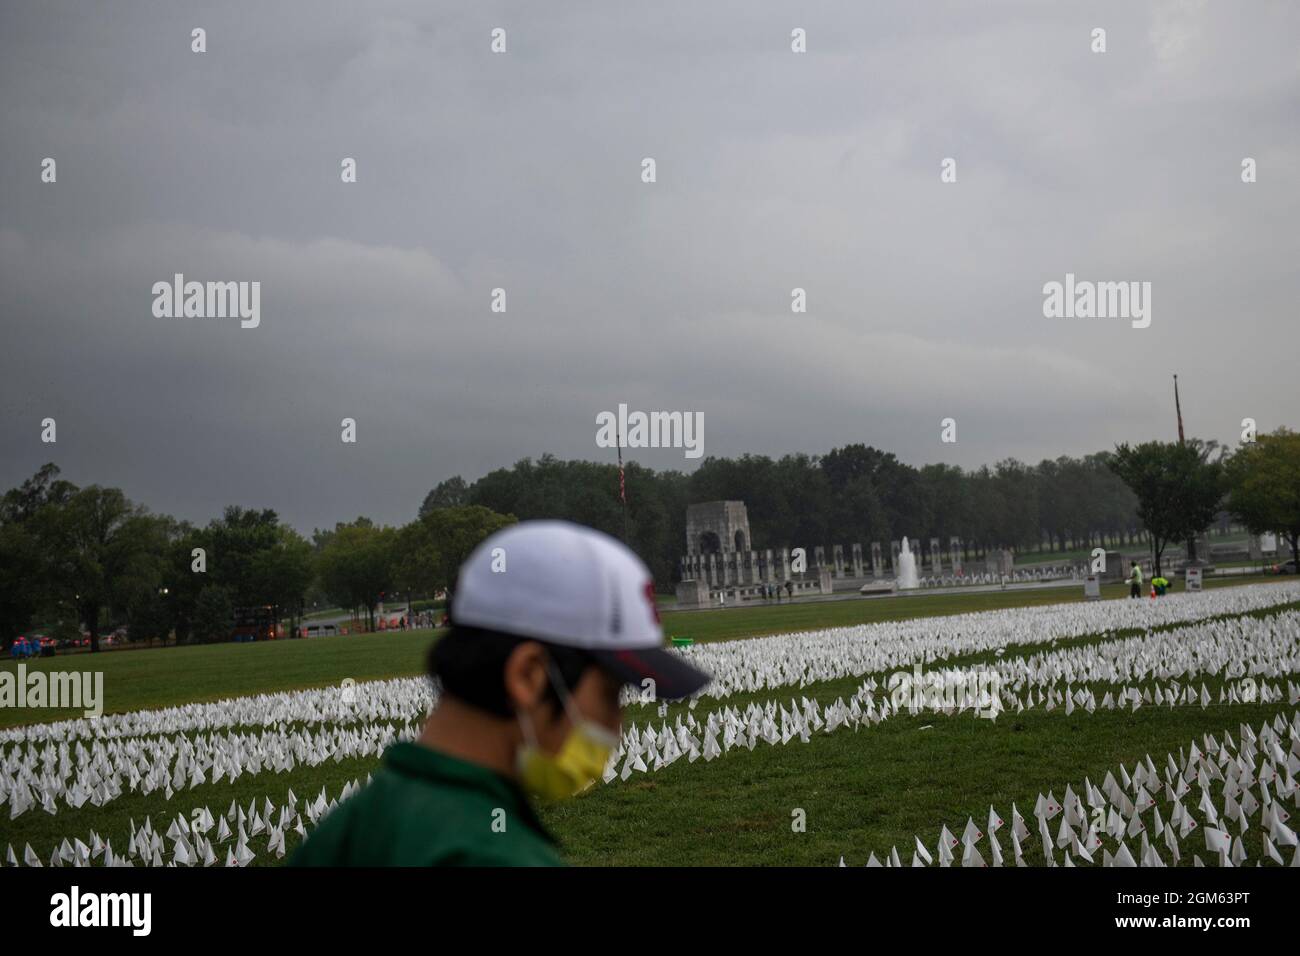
point(522, 170)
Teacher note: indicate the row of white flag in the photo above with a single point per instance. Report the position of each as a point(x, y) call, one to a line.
point(1238, 789)
point(1244, 651)
point(739, 666)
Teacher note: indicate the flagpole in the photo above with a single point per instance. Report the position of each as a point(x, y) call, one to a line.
point(1192, 556)
point(622, 485)
point(1179, 409)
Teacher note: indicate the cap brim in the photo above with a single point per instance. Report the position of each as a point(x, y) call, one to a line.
point(673, 677)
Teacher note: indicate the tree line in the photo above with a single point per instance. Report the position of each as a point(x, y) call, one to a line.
point(1146, 495)
point(78, 561)
point(81, 560)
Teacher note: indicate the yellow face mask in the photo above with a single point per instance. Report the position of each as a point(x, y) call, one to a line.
point(576, 767)
point(580, 761)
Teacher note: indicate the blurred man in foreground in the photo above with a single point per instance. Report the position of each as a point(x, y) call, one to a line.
point(549, 621)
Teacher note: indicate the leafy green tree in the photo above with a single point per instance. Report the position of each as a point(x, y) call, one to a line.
point(100, 550)
point(432, 549)
point(451, 493)
point(236, 543)
point(182, 581)
point(1264, 486)
point(1178, 491)
point(149, 617)
point(19, 505)
point(358, 564)
point(24, 583)
point(283, 572)
point(214, 615)
point(21, 581)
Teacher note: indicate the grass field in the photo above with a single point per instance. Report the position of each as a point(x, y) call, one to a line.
point(865, 791)
point(861, 791)
point(171, 676)
point(1082, 554)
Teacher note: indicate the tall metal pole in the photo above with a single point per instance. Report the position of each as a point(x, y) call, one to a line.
point(622, 486)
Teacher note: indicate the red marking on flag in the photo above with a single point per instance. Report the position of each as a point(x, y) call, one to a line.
point(649, 593)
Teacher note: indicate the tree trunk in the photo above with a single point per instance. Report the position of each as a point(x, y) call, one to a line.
point(90, 614)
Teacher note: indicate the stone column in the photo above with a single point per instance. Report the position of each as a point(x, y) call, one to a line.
point(837, 555)
point(857, 559)
point(782, 565)
point(877, 567)
point(895, 547)
point(936, 556)
point(954, 548)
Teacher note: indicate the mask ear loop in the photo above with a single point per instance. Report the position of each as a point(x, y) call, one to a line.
point(566, 699)
point(526, 725)
point(576, 717)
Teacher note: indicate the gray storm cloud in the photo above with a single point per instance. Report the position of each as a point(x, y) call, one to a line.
point(522, 171)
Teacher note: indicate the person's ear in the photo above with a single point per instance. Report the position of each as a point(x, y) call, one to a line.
point(525, 676)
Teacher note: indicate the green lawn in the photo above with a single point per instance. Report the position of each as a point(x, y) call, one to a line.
point(756, 620)
point(870, 790)
point(166, 677)
point(1082, 554)
point(169, 676)
point(862, 790)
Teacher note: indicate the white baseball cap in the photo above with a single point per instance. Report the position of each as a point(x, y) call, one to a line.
point(572, 586)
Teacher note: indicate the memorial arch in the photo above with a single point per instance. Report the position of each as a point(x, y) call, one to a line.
point(717, 527)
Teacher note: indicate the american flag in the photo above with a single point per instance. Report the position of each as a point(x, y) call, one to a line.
point(1179, 409)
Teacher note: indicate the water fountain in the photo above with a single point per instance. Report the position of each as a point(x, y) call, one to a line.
point(906, 578)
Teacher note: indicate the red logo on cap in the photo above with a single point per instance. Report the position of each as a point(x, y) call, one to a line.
point(650, 596)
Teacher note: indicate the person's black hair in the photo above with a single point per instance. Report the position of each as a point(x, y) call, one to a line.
point(469, 664)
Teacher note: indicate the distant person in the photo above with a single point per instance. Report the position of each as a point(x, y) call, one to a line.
point(789, 590)
point(531, 675)
point(1135, 581)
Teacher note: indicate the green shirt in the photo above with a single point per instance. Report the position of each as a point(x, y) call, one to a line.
point(425, 808)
